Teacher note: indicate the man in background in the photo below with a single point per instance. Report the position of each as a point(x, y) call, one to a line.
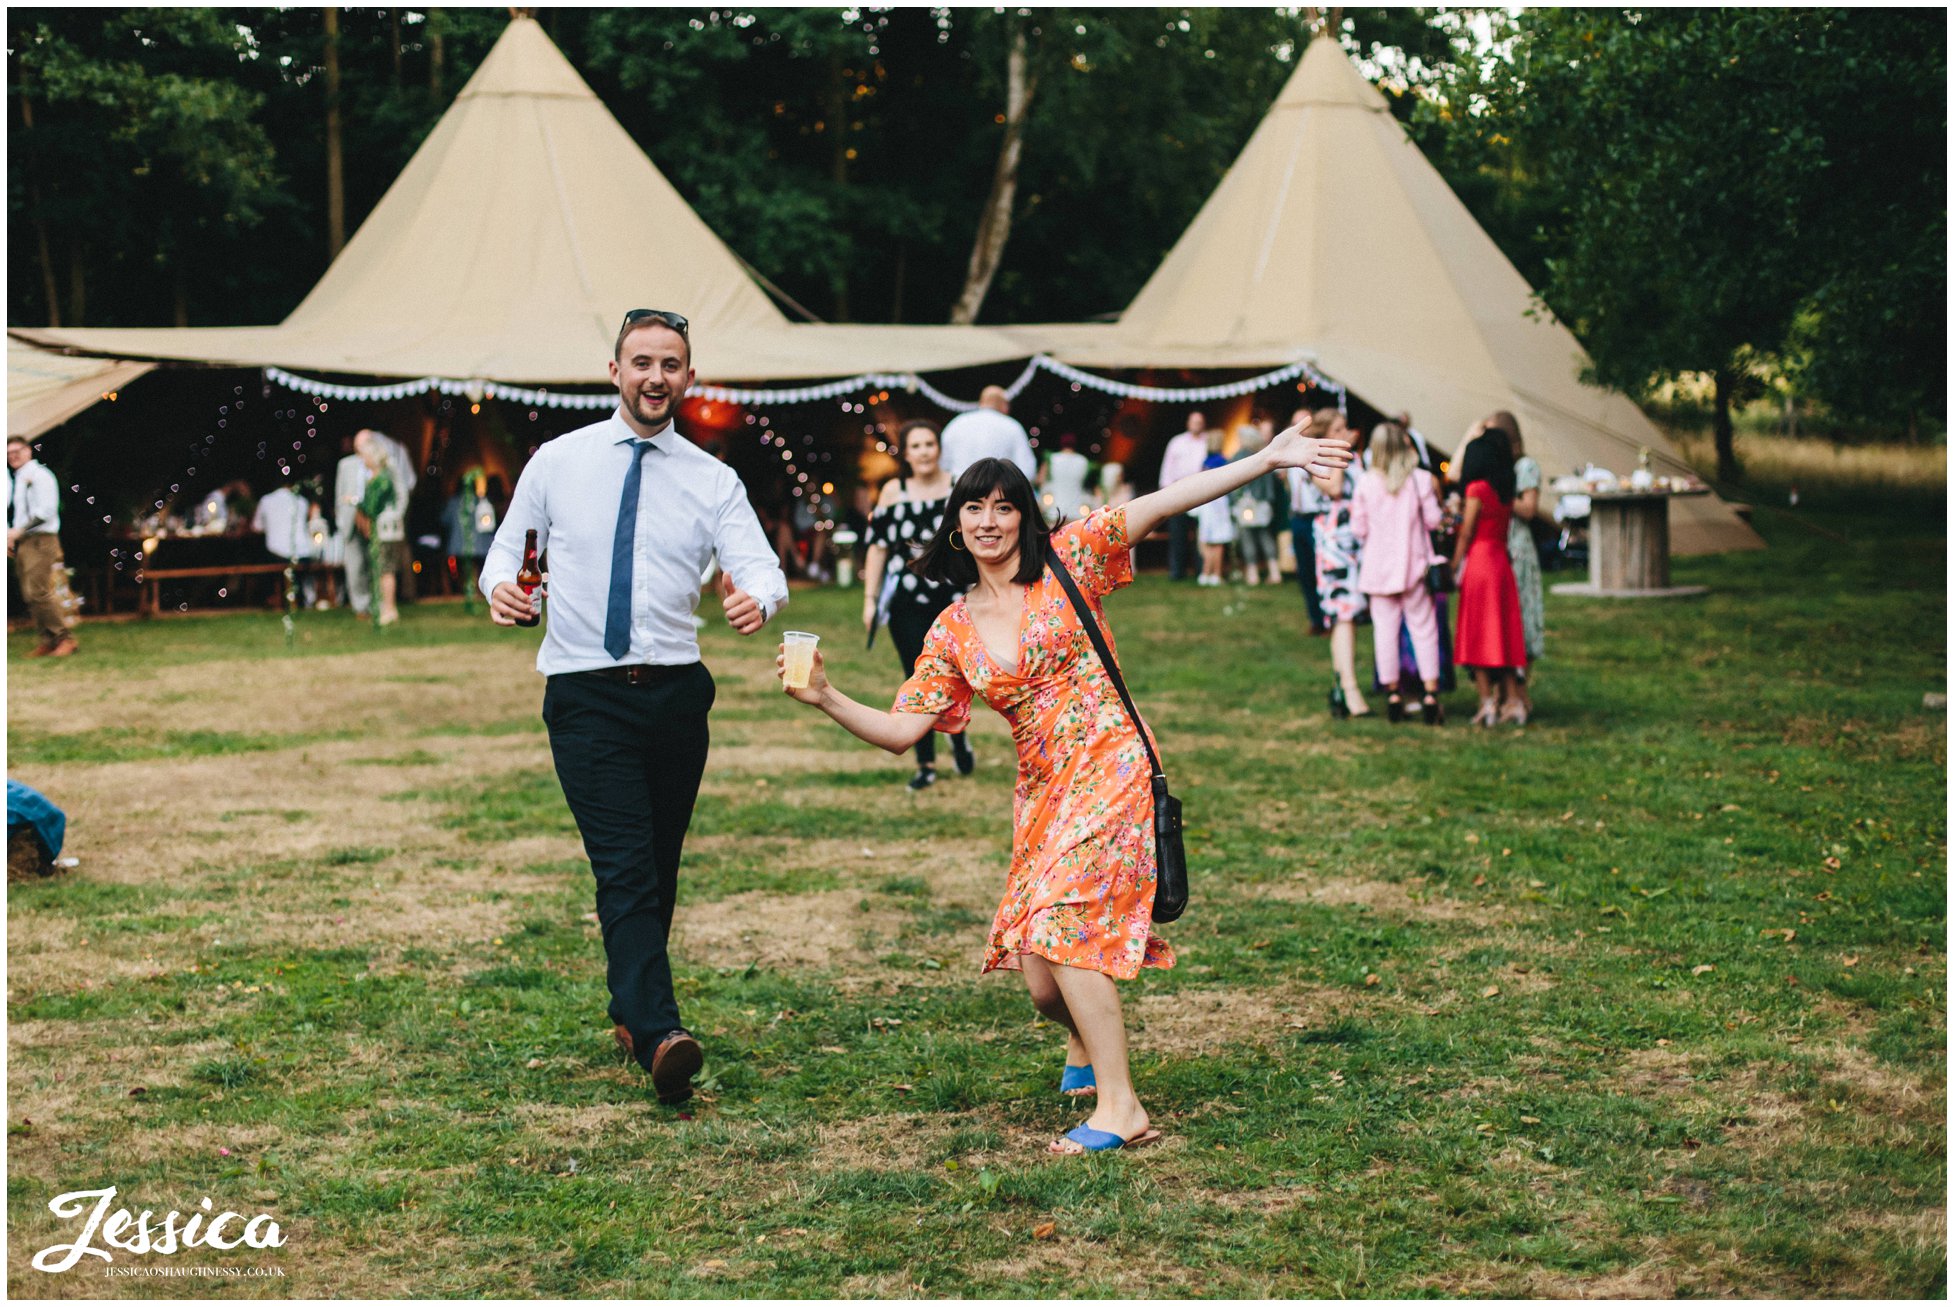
point(285, 517)
point(34, 543)
point(349, 487)
point(1185, 454)
point(987, 431)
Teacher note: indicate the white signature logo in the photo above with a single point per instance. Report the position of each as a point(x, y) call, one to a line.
point(140, 1234)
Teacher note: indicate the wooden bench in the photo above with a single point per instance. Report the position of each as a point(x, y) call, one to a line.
point(153, 578)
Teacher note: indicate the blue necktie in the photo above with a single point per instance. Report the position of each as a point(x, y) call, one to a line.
point(617, 614)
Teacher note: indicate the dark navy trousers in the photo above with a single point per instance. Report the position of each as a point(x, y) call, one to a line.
point(630, 758)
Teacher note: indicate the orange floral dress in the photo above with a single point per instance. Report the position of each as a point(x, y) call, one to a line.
point(1080, 892)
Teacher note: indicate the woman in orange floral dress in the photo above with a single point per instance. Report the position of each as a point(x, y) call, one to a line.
point(1077, 910)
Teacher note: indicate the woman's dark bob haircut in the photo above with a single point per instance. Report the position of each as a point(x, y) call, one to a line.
point(944, 562)
point(1490, 459)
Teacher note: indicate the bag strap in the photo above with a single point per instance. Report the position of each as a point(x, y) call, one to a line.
point(1106, 658)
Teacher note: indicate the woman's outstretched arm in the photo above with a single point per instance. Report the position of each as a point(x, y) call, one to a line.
point(894, 731)
point(1289, 449)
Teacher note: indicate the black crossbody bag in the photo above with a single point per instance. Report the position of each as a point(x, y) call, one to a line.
point(1169, 850)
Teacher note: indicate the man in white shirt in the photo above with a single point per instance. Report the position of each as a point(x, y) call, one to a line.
point(630, 513)
point(283, 517)
point(349, 488)
point(987, 431)
point(1185, 454)
point(34, 543)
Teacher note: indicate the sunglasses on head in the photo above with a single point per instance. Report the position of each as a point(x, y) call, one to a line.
point(665, 317)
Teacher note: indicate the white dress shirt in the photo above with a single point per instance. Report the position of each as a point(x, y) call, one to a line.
point(36, 500)
point(690, 507)
point(986, 433)
point(282, 515)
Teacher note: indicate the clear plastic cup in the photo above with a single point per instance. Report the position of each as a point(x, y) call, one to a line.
point(800, 658)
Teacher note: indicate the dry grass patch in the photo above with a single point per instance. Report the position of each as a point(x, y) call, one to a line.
point(1409, 899)
point(384, 693)
point(1193, 1021)
point(821, 931)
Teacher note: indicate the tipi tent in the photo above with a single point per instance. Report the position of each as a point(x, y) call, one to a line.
point(511, 246)
point(1332, 238)
point(45, 389)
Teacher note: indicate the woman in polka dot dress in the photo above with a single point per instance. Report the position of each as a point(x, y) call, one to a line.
point(906, 518)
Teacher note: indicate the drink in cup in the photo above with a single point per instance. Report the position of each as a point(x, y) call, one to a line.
point(800, 658)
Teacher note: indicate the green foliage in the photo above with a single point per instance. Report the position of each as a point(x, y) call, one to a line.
point(1727, 186)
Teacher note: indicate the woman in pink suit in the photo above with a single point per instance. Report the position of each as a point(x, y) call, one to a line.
point(1492, 635)
point(1394, 512)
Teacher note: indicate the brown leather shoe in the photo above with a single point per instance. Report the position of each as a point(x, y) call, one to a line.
point(41, 650)
point(623, 1038)
point(677, 1060)
point(66, 647)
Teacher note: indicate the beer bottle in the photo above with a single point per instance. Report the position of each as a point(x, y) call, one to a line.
point(529, 575)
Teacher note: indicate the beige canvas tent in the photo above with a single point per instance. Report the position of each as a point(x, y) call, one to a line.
point(509, 249)
point(1333, 239)
point(45, 389)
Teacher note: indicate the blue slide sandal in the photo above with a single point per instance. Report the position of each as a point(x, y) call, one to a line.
point(1099, 1141)
point(1077, 1080)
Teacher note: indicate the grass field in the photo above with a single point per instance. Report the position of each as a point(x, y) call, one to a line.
point(1645, 1000)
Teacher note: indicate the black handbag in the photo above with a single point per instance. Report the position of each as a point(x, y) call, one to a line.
point(1169, 849)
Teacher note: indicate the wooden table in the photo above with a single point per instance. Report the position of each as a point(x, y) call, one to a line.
point(151, 604)
point(1628, 546)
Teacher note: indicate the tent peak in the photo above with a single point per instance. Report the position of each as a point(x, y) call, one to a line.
point(1326, 75)
point(524, 62)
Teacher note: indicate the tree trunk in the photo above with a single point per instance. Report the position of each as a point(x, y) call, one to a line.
point(77, 284)
point(394, 14)
point(437, 51)
point(335, 154)
point(994, 227)
point(1728, 469)
point(837, 110)
point(42, 248)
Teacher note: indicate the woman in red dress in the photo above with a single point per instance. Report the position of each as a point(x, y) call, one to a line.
point(1492, 640)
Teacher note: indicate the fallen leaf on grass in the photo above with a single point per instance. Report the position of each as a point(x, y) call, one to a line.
point(1045, 1231)
point(1371, 979)
point(903, 1089)
point(1477, 881)
point(1702, 970)
point(1529, 1120)
point(1489, 991)
point(1832, 864)
point(1852, 961)
point(832, 1048)
point(1472, 837)
point(533, 1063)
point(1786, 933)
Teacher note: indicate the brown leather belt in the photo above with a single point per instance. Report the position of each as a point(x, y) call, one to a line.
point(643, 673)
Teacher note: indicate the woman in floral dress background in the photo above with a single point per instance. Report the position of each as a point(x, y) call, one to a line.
point(1077, 909)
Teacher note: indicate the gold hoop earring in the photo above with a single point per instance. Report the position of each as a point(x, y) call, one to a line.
point(956, 542)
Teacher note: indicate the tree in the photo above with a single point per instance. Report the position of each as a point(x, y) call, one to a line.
point(1696, 160)
point(144, 155)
